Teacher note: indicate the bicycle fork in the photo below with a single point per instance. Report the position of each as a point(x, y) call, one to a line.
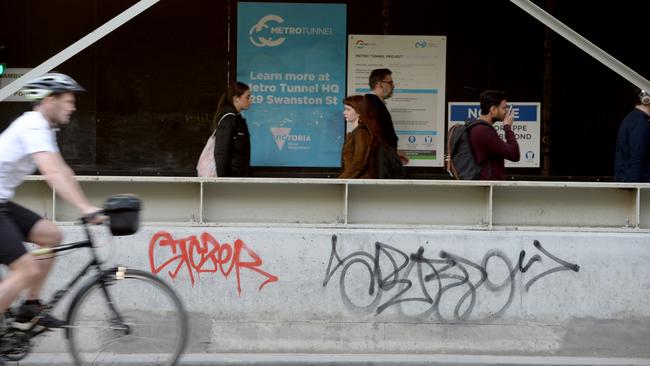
point(117, 320)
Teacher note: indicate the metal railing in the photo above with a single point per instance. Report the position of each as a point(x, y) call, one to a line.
point(444, 204)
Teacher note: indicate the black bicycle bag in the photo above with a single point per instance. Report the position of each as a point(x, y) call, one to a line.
point(123, 211)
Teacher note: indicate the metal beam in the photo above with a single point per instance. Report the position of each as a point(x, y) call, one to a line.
point(582, 43)
point(77, 47)
point(362, 203)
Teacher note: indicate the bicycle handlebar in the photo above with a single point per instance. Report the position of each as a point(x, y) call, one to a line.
point(87, 219)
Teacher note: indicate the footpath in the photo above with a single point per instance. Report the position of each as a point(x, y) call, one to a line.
point(301, 359)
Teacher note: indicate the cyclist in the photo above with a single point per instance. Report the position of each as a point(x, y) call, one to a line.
point(27, 144)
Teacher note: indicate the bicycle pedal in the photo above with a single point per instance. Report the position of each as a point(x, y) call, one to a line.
point(31, 325)
point(22, 326)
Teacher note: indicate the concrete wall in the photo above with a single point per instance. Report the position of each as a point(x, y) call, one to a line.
point(412, 291)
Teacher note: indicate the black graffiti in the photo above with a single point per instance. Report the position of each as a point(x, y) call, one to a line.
point(564, 265)
point(389, 269)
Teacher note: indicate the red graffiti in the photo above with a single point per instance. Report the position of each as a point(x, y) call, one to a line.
point(206, 255)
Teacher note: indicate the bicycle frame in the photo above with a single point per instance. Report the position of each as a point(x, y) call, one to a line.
point(94, 262)
point(120, 323)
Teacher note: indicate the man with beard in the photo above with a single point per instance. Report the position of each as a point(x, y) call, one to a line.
point(488, 148)
point(381, 88)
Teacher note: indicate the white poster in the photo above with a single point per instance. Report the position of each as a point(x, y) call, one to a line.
point(526, 126)
point(9, 76)
point(418, 102)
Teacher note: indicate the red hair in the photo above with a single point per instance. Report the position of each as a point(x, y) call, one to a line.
point(360, 104)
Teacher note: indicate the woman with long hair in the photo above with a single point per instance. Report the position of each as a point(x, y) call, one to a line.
point(361, 144)
point(232, 148)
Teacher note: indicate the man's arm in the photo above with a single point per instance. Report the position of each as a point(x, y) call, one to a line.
point(403, 157)
point(492, 145)
point(62, 179)
point(383, 118)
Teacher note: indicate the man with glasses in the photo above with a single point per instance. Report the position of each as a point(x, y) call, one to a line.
point(381, 88)
point(488, 148)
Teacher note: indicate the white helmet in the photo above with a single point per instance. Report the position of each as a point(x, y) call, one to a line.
point(47, 84)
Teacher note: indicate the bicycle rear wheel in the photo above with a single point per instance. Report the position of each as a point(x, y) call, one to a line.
point(126, 319)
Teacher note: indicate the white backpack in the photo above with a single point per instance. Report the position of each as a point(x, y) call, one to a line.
point(207, 167)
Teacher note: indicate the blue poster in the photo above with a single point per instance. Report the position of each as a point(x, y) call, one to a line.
point(293, 57)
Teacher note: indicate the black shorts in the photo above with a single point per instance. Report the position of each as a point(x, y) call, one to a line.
point(15, 224)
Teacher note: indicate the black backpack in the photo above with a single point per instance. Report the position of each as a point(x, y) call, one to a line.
point(389, 165)
point(459, 158)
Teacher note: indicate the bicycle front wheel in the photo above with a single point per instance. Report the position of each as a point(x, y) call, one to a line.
point(126, 317)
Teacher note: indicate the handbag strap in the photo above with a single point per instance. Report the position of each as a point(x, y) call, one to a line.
point(221, 119)
point(224, 116)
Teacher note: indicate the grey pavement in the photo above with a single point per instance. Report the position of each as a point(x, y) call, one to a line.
point(302, 359)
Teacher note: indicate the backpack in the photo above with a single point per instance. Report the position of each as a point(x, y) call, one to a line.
point(207, 167)
point(389, 165)
point(459, 158)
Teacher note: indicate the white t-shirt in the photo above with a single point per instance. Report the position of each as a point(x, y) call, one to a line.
point(30, 133)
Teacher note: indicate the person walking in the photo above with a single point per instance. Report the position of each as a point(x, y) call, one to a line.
point(360, 149)
point(232, 147)
point(489, 150)
point(632, 161)
point(382, 86)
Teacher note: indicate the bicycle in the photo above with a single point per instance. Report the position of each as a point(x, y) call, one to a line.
point(116, 312)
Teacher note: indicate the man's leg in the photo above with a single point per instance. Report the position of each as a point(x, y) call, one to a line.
point(23, 267)
point(34, 228)
point(24, 273)
point(45, 234)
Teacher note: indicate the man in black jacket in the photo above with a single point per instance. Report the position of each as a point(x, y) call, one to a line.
point(632, 162)
point(381, 88)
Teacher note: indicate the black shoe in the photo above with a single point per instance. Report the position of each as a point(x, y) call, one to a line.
point(32, 309)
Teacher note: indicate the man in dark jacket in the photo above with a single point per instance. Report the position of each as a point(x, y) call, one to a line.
point(488, 148)
point(381, 88)
point(632, 163)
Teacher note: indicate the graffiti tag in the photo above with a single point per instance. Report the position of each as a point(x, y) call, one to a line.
point(390, 269)
point(203, 255)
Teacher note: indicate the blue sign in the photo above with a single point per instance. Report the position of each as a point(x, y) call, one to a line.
point(461, 112)
point(293, 57)
point(526, 128)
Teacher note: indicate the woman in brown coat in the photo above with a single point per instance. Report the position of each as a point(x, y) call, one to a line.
point(361, 144)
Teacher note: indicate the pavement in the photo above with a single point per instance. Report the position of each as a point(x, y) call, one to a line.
point(302, 359)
